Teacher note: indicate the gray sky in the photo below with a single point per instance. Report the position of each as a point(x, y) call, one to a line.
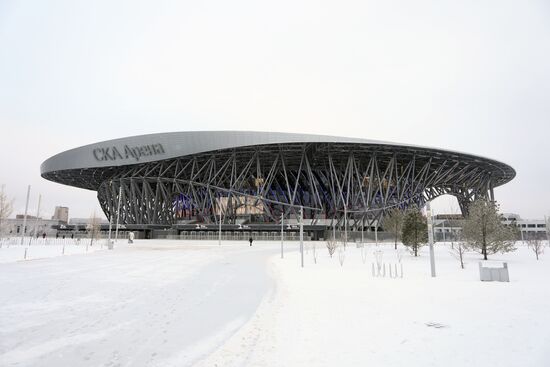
point(472, 76)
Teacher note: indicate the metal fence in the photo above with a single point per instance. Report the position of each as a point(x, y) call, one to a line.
point(53, 241)
point(233, 236)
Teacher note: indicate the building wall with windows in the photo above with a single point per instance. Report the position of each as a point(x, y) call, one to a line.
point(529, 228)
point(33, 227)
point(449, 227)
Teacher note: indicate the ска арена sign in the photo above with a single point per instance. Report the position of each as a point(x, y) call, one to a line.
point(127, 152)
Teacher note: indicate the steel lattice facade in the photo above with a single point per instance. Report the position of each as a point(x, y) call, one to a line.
point(331, 178)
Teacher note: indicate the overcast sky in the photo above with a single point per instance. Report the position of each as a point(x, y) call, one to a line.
point(472, 76)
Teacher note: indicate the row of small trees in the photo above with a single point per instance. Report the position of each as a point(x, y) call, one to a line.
point(483, 230)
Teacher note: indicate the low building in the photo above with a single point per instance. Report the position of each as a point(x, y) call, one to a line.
point(448, 227)
point(33, 227)
point(528, 228)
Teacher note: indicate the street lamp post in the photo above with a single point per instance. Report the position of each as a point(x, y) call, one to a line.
point(118, 211)
point(362, 230)
point(302, 235)
point(282, 232)
point(430, 237)
point(25, 217)
point(37, 215)
point(110, 216)
point(345, 226)
point(220, 228)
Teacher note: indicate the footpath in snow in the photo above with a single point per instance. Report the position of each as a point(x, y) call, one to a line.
point(332, 315)
point(176, 303)
point(165, 303)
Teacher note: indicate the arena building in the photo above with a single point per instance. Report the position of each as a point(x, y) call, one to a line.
point(174, 180)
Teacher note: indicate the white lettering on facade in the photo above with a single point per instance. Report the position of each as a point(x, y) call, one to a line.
point(128, 152)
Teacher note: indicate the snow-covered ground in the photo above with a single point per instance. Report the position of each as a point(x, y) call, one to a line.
point(150, 304)
point(332, 315)
point(176, 303)
point(11, 249)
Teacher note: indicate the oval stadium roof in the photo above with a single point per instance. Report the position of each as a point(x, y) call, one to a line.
point(155, 147)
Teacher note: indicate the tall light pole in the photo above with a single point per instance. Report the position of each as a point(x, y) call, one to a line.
point(345, 225)
point(430, 237)
point(302, 235)
point(25, 217)
point(362, 230)
point(444, 233)
point(37, 215)
point(110, 216)
point(282, 232)
point(220, 227)
point(118, 211)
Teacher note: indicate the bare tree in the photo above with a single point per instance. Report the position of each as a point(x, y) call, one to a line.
point(331, 246)
point(484, 231)
point(537, 246)
point(458, 251)
point(6, 208)
point(93, 228)
point(415, 230)
point(393, 223)
point(339, 243)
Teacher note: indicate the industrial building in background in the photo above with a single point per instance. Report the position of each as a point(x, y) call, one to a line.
point(182, 181)
point(61, 213)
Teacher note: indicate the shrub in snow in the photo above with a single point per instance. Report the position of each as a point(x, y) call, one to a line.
point(537, 246)
point(331, 246)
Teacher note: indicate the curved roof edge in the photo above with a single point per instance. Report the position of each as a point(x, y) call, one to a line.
point(154, 147)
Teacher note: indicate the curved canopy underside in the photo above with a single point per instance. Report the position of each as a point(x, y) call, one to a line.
point(332, 179)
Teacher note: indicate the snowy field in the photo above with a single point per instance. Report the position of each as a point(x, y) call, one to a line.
point(11, 249)
point(177, 303)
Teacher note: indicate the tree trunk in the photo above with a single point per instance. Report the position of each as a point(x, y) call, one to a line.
point(415, 250)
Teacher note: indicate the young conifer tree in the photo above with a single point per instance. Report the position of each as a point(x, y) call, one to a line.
point(415, 230)
point(484, 231)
